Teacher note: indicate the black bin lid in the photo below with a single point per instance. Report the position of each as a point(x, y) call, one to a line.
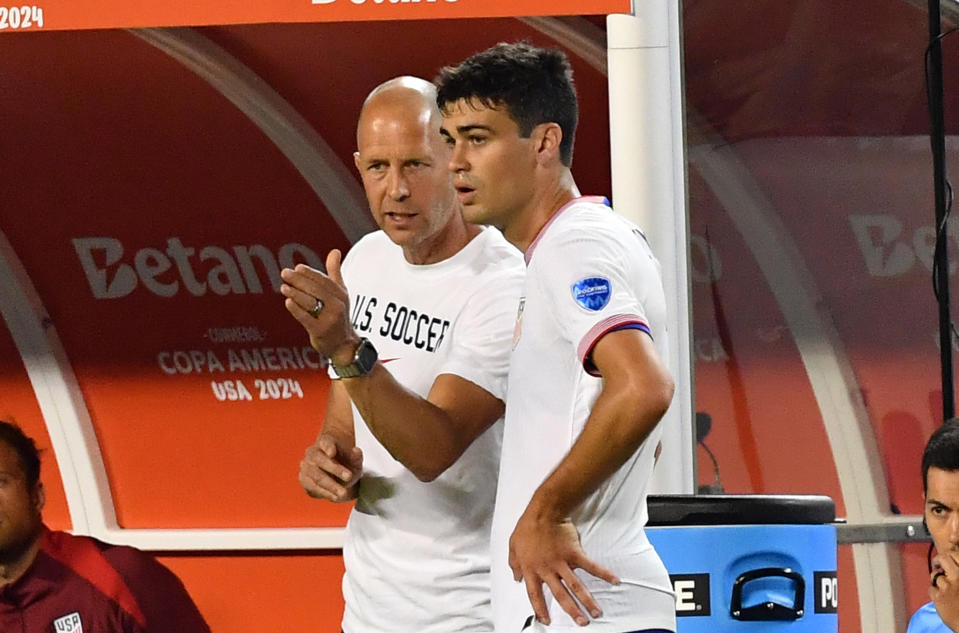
point(740, 509)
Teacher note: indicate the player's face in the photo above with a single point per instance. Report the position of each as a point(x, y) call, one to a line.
point(20, 520)
point(493, 166)
point(942, 509)
point(403, 162)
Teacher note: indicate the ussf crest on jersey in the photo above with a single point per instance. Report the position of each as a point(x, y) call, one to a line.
point(68, 624)
point(592, 293)
point(518, 328)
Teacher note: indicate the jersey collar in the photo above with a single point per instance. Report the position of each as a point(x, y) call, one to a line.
point(589, 199)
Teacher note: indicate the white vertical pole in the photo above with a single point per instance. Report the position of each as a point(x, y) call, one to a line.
point(649, 187)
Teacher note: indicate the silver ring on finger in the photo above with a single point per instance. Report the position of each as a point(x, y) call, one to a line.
point(315, 310)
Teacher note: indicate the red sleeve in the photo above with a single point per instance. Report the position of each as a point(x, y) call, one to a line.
point(163, 600)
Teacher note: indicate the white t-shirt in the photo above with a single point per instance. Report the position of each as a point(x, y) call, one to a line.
point(589, 271)
point(417, 554)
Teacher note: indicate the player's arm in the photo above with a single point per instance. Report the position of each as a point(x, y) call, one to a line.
point(637, 390)
point(544, 547)
point(333, 464)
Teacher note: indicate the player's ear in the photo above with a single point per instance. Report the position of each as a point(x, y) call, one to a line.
point(547, 138)
point(39, 497)
point(356, 161)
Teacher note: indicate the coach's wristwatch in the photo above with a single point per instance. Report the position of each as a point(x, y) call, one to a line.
point(363, 361)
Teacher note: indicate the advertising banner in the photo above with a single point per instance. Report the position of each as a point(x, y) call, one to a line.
point(107, 14)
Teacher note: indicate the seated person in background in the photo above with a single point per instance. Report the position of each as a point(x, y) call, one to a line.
point(940, 482)
point(54, 581)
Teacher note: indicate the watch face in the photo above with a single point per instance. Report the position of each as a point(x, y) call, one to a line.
point(363, 361)
point(365, 356)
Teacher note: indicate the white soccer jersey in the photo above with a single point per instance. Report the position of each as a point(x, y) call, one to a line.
point(589, 271)
point(417, 554)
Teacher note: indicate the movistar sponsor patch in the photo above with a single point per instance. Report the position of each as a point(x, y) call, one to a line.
point(592, 293)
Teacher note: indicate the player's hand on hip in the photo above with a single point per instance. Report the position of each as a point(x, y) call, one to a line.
point(328, 471)
point(322, 306)
point(945, 590)
point(546, 552)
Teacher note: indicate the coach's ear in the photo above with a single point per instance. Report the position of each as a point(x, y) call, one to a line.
point(547, 138)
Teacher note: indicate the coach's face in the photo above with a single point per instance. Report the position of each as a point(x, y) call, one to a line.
point(942, 509)
point(20, 506)
point(403, 162)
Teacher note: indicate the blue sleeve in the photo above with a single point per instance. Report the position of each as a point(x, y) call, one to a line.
point(927, 620)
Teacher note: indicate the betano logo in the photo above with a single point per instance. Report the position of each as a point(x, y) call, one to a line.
point(384, 1)
point(164, 272)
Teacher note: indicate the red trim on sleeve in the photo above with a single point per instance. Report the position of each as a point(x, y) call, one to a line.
point(599, 330)
point(82, 556)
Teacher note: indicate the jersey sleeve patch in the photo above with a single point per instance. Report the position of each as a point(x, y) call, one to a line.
point(592, 293)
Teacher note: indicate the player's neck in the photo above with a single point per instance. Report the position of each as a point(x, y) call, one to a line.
point(544, 204)
point(14, 563)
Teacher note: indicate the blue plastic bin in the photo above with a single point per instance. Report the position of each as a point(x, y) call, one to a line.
point(749, 563)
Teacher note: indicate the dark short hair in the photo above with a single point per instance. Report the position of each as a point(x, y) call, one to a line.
point(26, 449)
point(534, 85)
point(942, 450)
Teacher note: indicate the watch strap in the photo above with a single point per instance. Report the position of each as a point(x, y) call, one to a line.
point(363, 361)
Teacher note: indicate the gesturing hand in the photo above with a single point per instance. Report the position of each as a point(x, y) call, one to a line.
point(330, 330)
point(330, 472)
point(547, 551)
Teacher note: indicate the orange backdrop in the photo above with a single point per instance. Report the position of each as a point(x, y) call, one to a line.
point(104, 14)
